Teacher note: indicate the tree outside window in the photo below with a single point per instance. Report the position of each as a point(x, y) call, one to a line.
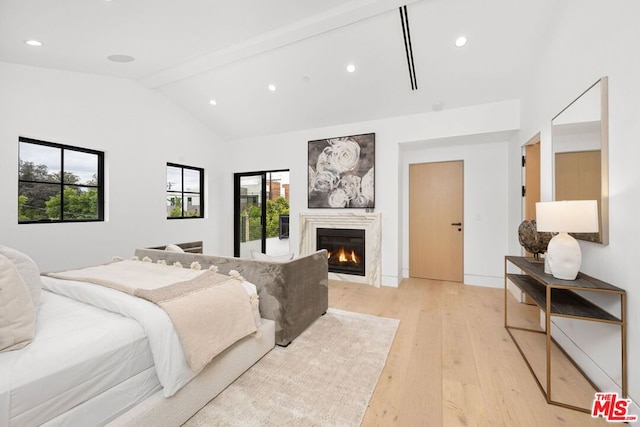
point(59, 183)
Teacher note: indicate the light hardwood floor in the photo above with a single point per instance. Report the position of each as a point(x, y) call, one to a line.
point(452, 362)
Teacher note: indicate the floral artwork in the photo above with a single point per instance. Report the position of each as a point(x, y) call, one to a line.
point(341, 172)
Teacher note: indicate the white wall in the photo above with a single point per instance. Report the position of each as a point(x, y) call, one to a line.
point(595, 38)
point(485, 202)
point(289, 151)
point(139, 131)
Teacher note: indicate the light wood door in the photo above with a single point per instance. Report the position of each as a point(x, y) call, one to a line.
point(435, 209)
point(531, 180)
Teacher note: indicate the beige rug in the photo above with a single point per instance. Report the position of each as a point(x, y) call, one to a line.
point(325, 377)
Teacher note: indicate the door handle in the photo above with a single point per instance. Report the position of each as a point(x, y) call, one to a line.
point(458, 224)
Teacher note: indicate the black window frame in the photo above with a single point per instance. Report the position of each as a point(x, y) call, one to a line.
point(62, 184)
point(184, 194)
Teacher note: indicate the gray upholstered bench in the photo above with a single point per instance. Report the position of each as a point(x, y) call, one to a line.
point(292, 293)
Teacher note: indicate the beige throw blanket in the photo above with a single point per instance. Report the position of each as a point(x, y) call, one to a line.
point(209, 311)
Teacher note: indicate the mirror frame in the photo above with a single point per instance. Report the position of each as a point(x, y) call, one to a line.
point(603, 235)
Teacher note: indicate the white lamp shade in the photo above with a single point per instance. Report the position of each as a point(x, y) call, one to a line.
point(568, 216)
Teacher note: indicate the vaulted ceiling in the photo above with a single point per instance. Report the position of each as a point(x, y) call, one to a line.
point(230, 51)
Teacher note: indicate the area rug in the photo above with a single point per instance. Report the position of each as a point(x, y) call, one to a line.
point(325, 377)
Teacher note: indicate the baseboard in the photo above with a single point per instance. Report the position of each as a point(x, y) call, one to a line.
point(469, 279)
point(486, 281)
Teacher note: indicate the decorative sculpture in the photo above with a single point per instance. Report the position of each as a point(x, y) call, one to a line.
point(532, 240)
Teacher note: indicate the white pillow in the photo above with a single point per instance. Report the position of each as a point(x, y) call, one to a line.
point(17, 312)
point(173, 248)
point(27, 269)
point(264, 257)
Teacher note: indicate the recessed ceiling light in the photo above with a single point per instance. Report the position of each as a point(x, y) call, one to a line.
point(272, 88)
point(461, 41)
point(121, 58)
point(351, 68)
point(213, 102)
point(33, 42)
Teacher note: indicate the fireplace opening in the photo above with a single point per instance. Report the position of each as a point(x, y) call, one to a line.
point(345, 247)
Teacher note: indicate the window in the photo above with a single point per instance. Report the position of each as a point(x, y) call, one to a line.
point(59, 183)
point(185, 196)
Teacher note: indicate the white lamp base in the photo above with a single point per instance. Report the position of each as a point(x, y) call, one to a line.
point(564, 257)
point(547, 269)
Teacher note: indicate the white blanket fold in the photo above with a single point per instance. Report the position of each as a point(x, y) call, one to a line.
point(209, 311)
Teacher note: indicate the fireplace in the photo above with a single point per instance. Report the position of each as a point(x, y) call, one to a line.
point(370, 222)
point(345, 247)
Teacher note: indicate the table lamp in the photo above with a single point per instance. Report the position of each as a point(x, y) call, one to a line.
point(562, 217)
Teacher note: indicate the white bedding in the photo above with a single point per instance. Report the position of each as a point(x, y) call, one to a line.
point(78, 353)
point(171, 366)
point(89, 340)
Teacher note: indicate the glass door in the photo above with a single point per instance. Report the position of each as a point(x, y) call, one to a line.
point(261, 214)
point(250, 227)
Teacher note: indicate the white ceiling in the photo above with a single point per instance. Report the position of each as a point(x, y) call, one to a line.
point(196, 50)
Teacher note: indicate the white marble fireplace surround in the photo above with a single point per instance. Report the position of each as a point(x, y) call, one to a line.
point(370, 222)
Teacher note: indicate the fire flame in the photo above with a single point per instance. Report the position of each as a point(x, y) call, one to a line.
point(344, 256)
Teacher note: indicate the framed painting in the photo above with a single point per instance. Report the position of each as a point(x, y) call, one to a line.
point(341, 172)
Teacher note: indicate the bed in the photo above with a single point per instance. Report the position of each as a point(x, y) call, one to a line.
point(101, 356)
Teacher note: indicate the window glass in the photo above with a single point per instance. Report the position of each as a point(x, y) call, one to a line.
point(192, 205)
point(80, 203)
point(192, 180)
point(33, 199)
point(80, 168)
point(174, 178)
point(184, 191)
point(42, 197)
point(39, 163)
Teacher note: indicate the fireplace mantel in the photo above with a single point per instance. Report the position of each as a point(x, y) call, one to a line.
point(370, 222)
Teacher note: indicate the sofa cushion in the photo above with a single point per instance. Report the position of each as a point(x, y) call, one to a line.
point(270, 258)
point(173, 248)
point(27, 269)
point(17, 311)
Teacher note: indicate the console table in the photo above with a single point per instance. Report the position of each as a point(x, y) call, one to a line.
point(557, 297)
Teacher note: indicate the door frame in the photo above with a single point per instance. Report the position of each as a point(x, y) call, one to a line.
point(527, 196)
point(236, 207)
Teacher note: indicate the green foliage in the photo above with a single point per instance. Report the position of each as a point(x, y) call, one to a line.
point(78, 204)
point(22, 201)
point(41, 200)
point(31, 172)
point(36, 194)
point(274, 209)
point(176, 210)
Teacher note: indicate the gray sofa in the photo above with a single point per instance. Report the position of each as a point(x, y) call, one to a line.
point(292, 293)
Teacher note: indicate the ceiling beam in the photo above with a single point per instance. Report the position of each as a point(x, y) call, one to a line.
point(346, 14)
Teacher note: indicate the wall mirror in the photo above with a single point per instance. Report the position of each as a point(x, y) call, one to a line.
point(580, 139)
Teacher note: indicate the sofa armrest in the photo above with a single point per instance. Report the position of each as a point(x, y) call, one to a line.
point(293, 293)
